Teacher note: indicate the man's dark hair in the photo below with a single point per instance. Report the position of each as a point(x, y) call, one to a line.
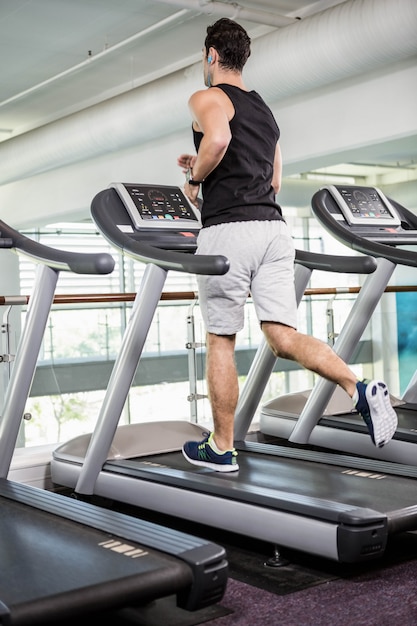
point(231, 41)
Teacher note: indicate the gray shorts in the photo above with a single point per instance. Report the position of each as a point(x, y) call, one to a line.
point(261, 255)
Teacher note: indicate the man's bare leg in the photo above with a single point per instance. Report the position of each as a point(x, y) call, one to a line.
point(216, 451)
point(223, 387)
point(371, 399)
point(313, 354)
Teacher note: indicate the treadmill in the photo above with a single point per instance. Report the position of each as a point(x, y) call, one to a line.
point(336, 506)
point(63, 558)
point(364, 219)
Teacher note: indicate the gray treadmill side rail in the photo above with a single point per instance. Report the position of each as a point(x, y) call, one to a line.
point(80, 263)
point(49, 263)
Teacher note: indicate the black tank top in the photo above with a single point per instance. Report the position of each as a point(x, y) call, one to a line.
point(239, 188)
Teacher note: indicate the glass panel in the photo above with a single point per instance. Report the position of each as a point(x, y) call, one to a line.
point(82, 341)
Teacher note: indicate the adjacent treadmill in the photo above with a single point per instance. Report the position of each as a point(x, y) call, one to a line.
point(337, 506)
point(364, 219)
point(62, 558)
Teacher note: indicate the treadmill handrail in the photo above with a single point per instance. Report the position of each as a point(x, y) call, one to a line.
point(399, 256)
point(336, 263)
point(77, 262)
point(141, 251)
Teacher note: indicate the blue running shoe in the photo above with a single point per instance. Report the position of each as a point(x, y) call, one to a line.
point(201, 453)
point(375, 407)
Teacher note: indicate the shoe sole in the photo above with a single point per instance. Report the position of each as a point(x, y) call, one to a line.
point(384, 428)
point(217, 467)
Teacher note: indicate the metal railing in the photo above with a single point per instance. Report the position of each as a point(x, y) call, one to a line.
point(81, 373)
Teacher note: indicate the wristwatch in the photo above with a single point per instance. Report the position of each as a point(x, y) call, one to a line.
point(193, 182)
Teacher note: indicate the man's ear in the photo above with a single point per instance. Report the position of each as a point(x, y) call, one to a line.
point(211, 55)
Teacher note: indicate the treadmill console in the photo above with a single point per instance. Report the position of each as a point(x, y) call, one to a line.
point(159, 215)
point(158, 206)
point(356, 214)
point(364, 206)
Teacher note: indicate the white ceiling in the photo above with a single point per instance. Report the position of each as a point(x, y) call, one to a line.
point(58, 57)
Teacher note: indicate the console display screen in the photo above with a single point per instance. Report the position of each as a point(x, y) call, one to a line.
point(157, 206)
point(364, 205)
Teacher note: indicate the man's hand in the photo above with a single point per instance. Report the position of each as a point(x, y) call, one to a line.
point(186, 162)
